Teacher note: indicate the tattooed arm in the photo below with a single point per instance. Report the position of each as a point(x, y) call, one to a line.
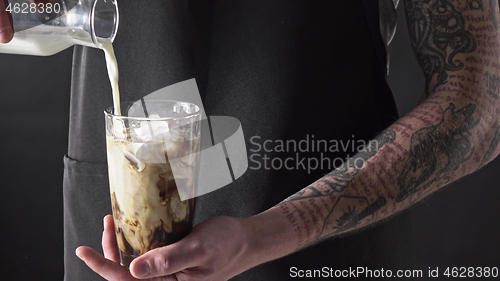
point(452, 132)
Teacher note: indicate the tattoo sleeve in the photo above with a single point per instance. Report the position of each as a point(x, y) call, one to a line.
point(452, 132)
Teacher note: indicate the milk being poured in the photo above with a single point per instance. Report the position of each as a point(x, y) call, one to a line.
point(112, 65)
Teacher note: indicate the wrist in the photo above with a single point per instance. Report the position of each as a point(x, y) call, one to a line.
point(269, 236)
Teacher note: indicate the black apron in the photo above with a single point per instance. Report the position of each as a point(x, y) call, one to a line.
point(286, 69)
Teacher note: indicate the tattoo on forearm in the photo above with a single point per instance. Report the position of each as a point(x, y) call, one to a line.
point(492, 84)
point(476, 4)
point(339, 179)
point(351, 217)
point(438, 34)
point(436, 151)
point(345, 215)
point(491, 149)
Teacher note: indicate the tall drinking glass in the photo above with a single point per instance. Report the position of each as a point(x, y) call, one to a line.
point(153, 159)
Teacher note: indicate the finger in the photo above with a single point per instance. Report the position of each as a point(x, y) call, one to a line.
point(6, 27)
point(109, 270)
point(167, 260)
point(109, 245)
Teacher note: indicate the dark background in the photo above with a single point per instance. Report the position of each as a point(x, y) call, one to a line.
point(458, 226)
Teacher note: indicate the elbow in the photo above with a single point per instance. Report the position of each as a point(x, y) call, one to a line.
point(492, 141)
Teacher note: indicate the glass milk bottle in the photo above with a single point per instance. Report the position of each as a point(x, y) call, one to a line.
point(44, 29)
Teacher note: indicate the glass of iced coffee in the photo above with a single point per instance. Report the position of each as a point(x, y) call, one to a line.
point(153, 162)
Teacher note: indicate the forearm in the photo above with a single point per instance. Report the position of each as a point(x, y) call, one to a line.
point(451, 133)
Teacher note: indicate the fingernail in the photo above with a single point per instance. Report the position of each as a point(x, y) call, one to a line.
point(6, 34)
point(142, 269)
point(78, 253)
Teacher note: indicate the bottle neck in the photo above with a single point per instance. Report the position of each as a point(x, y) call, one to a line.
point(91, 21)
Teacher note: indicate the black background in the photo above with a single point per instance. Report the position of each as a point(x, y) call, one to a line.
point(458, 226)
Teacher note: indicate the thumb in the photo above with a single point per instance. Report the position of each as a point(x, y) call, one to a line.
point(167, 260)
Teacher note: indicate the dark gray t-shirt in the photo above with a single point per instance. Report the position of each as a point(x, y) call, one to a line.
point(286, 69)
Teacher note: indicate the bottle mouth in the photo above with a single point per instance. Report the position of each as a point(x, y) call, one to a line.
point(104, 19)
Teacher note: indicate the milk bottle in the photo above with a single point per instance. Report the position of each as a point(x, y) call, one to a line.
point(46, 29)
